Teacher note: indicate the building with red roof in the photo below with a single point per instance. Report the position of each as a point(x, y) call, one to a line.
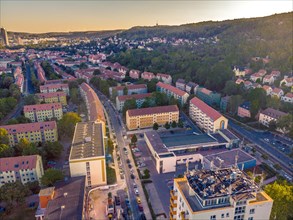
point(40, 72)
point(24, 168)
point(172, 91)
point(148, 76)
point(207, 118)
point(33, 132)
point(146, 117)
point(139, 99)
point(131, 89)
point(52, 97)
point(43, 112)
point(55, 88)
point(166, 78)
point(288, 97)
point(277, 92)
point(268, 115)
point(134, 74)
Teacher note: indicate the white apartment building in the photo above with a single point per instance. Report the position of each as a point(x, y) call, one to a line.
point(87, 155)
point(268, 115)
point(218, 194)
point(24, 168)
point(207, 118)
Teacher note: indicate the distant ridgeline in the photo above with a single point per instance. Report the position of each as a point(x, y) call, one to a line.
point(212, 48)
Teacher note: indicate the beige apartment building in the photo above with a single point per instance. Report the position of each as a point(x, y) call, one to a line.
point(87, 155)
point(52, 97)
point(43, 112)
point(55, 88)
point(218, 194)
point(205, 117)
point(146, 117)
point(24, 168)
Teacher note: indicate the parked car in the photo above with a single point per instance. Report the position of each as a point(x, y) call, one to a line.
point(140, 207)
point(136, 192)
point(138, 200)
point(2, 209)
point(132, 176)
point(129, 166)
point(134, 185)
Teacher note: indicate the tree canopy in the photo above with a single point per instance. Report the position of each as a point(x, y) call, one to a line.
point(67, 124)
point(51, 176)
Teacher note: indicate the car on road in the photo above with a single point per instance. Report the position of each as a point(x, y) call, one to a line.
point(132, 176)
point(2, 209)
point(142, 216)
point(129, 166)
point(138, 200)
point(136, 192)
point(127, 161)
point(134, 185)
point(140, 207)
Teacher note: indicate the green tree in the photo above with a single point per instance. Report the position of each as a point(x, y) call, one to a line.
point(96, 72)
point(4, 139)
point(22, 144)
point(129, 104)
point(167, 125)
point(235, 101)
point(161, 99)
point(146, 174)
point(34, 187)
point(282, 194)
point(6, 151)
point(133, 139)
point(51, 176)
point(31, 99)
point(231, 88)
point(173, 124)
point(152, 85)
point(67, 124)
point(125, 91)
point(13, 193)
point(180, 124)
point(30, 149)
point(7, 81)
point(52, 150)
point(285, 123)
point(155, 126)
point(74, 96)
point(110, 146)
point(83, 66)
point(272, 125)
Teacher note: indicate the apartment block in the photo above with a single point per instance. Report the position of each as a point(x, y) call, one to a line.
point(172, 91)
point(24, 168)
point(166, 78)
point(146, 117)
point(33, 132)
point(268, 115)
point(218, 194)
point(207, 118)
point(134, 74)
point(244, 110)
point(52, 97)
point(209, 97)
point(180, 84)
point(43, 112)
point(148, 76)
point(139, 99)
point(131, 89)
point(55, 88)
point(87, 155)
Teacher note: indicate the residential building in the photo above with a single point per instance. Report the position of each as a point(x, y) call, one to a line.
point(180, 84)
point(131, 89)
point(66, 200)
point(169, 151)
point(224, 103)
point(191, 87)
point(209, 97)
point(276, 73)
point(134, 74)
point(256, 77)
point(239, 71)
point(40, 72)
point(23, 168)
point(288, 97)
point(94, 106)
point(165, 78)
point(239, 81)
point(147, 76)
point(247, 84)
point(268, 89)
point(277, 92)
point(207, 118)
point(33, 132)
point(146, 117)
point(287, 81)
point(244, 110)
point(255, 85)
point(269, 79)
point(122, 69)
point(87, 155)
point(52, 97)
point(19, 81)
point(43, 112)
point(226, 193)
point(139, 99)
point(268, 115)
point(97, 58)
point(55, 88)
point(172, 91)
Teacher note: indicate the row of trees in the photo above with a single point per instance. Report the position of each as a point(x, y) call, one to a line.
point(49, 71)
point(103, 85)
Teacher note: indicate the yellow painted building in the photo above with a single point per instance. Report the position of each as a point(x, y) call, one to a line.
point(33, 132)
point(87, 155)
point(146, 117)
point(205, 117)
point(53, 97)
point(43, 112)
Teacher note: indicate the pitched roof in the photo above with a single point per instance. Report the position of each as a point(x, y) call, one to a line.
point(54, 86)
point(30, 127)
point(209, 111)
point(277, 90)
point(130, 87)
point(273, 113)
point(289, 95)
point(134, 96)
point(18, 163)
point(171, 88)
point(152, 110)
point(51, 94)
point(163, 75)
point(266, 87)
point(42, 107)
point(180, 81)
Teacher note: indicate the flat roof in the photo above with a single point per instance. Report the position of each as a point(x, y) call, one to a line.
point(187, 139)
point(68, 200)
point(156, 142)
point(228, 157)
point(88, 140)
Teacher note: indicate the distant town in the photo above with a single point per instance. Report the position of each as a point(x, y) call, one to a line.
point(83, 136)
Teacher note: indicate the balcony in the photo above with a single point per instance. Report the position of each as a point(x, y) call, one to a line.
point(172, 203)
point(172, 212)
point(173, 196)
point(171, 216)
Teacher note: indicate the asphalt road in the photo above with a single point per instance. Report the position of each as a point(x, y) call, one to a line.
point(257, 138)
point(29, 88)
point(117, 125)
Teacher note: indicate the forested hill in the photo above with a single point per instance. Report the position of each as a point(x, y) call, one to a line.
point(210, 64)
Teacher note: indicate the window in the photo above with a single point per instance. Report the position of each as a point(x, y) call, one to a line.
point(227, 214)
point(223, 215)
point(250, 218)
point(251, 211)
point(213, 217)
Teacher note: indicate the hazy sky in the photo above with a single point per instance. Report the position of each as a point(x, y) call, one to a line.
point(56, 15)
